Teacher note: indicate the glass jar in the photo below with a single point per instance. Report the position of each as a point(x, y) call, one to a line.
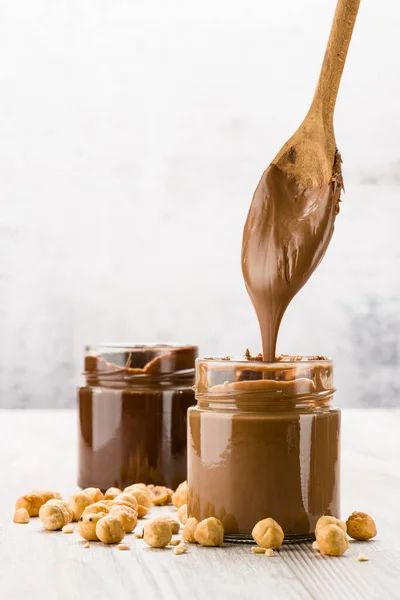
point(263, 441)
point(132, 415)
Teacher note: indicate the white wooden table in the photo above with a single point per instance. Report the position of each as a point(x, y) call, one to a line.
point(38, 449)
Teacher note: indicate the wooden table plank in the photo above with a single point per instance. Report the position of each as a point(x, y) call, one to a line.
point(38, 449)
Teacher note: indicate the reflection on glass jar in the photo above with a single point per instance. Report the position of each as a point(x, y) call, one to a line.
point(263, 441)
point(132, 415)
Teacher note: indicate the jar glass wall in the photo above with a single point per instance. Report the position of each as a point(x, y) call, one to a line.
point(132, 415)
point(263, 441)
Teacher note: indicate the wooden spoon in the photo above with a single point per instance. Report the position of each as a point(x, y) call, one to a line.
point(309, 154)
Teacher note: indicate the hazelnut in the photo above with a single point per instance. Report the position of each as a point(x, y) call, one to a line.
point(109, 530)
point(175, 527)
point(182, 514)
point(332, 540)
point(180, 549)
point(77, 504)
point(136, 486)
point(268, 534)
point(157, 533)
point(21, 515)
point(142, 497)
point(179, 497)
point(112, 493)
point(126, 499)
point(47, 495)
point(209, 532)
point(87, 526)
point(189, 530)
point(95, 494)
point(31, 502)
point(97, 507)
point(326, 520)
point(361, 526)
point(126, 515)
point(55, 514)
point(142, 511)
point(159, 495)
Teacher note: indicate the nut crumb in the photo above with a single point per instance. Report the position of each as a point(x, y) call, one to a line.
point(139, 536)
point(362, 557)
point(174, 543)
point(269, 552)
point(21, 515)
point(180, 549)
point(257, 550)
point(87, 545)
point(68, 528)
point(123, 547)
point(315, 546)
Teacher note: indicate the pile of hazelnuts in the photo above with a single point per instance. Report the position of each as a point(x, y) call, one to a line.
point(108, 517)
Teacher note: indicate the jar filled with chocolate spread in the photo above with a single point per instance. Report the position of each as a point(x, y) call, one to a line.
point(132, 415)
point(263, 441)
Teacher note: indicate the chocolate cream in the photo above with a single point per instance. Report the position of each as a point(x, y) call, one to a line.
point(132, 415)
point(285, 237)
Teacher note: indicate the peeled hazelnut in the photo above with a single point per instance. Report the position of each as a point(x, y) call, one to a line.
point(95, 494)
point(112, 493)
point(179, 497)
point(332, 540)
point(182, 514)
point(47, 495)
point(157, 534)
point(136, 486)
point(159, 495)
point(127, 499)
point(21, 515)
point(97, 507)
point(189, 530)
point(326, 520)
point(361, 526)
point(55, 514)
point(77, 504)
point(126, 515)
point(209, 532)
point(175, 527)
point(87, 526)
point(109, 530)
point(268, 534)
point(31, 502)
point(142, 497)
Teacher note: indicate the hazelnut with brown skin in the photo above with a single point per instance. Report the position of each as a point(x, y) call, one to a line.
point(209, 532)
point(21, 515)
point(55, 514)
point(332, 540)
point(268, 534)
point(126, 515)
point(77, 504)
point(109, 530)
point(87, 526)
point(361, 526)
point(327, 520)
point(95, 493)
point(189, 530)
point(112, 493)
point(180, 495)
point(157, 533)
point(182, 514)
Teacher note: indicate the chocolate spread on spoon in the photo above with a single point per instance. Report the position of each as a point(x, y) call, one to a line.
point(285, 237)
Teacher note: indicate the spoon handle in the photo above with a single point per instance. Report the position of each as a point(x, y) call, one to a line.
point(335, 56)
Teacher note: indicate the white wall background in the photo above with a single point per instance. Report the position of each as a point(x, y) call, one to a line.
point(132, 136)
